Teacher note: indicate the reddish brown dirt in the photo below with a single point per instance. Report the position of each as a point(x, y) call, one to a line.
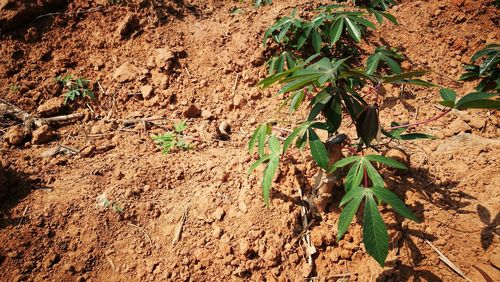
point(52, 229)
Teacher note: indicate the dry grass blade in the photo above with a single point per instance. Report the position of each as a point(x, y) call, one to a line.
point(448, 262)
point(143, 231)
point(178, 231)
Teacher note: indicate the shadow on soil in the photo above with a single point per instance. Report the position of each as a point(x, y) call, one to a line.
point(19, 185)
point(490, 228)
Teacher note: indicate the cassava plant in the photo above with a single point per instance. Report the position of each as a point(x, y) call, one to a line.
point(76, 87)
point(320, 65)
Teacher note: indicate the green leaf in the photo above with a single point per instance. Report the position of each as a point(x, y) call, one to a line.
point(367, 124)
point(353, 29)
point(299, 130)
point(488, 62)
point(316, 40)
point(398, 77)
point(276, 77)
point(372, 63)
point(373, 175)
point(297, 99)
point(356, 194)
point(415, 136)
point(336, 30)
point(274, 145)
point(449, 96)
point(354, 176)
point(352, 194)
point(343, 162)
point(318, 150)
point(385, 160)
point(375, 235)
point(394, 201)
point(479, 100)
point(257, 163)
point(267, 179)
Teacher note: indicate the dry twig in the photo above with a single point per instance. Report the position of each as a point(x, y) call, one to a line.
point(178, 231)
point(448, 262)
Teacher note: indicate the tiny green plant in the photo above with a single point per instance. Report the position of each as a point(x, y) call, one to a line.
point(320, 64)
point(103, 202)
point(488, 71)
point(173, 139)
point(76, 88)
point(14, 88)
point(258, 3)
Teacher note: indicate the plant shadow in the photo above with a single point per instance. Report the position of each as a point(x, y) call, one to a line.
point(491, 226)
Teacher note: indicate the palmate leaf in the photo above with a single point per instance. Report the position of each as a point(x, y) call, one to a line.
point(367, 124)
point(375, 235)
point(343, 162)
point(298, 131)
point(259, 138)
point(383, 55)
point(355, 175)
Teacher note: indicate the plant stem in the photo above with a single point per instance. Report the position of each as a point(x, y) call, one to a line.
point(436, 117)
point(365, 177)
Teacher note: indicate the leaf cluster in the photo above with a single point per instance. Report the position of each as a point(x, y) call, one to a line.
point(76, 88)
point(173, 139)
point(488, 72)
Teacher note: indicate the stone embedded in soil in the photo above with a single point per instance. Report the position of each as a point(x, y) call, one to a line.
point(15, 135)
point(217, 232)
point(42, 135)
point(126, 72)
point(192, 112)
point(50, 259)
point(146, 91)
point(457, 126)
point(159, 79)
point(129, 24)
point(51, 107)
point(239, 101)
point(219, 213)
point(163, 58)
point(244, 247)
point(87, 151)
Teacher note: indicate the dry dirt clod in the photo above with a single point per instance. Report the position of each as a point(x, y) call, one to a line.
point(4, 188)
point(42, 135)
point(239, 101)
point(87, 151)
point(15, 135)
point(51, 107)
point(126, 72)
point(164, 58)
point(146, 91)
point(129, 24)
point(219, 213)
point(192, 112)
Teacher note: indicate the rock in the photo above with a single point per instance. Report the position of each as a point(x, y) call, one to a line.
point(159, 79)
point(50, 259)
point(243, 207)
point(206, 114)
point(87, 151)
point(245, 247)
point(192, 112)
point(224, 127)
point(217, 232)
point(129, 24)
point(225, 248)
point(239, 101)
point(164, 58)
point(126, 72)
point(51, 107)
point(146, 91)
point(457, 126)
point(42, 135)
point(219, 213)
point(15, 135)
point(466, 141)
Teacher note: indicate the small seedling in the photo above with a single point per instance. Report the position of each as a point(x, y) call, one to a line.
point(76, 87)
point(104, 203)
point(14, 88)
point(174, 139)
point(488, 71)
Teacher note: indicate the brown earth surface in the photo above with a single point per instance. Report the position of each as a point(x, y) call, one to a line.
point(199, 60)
